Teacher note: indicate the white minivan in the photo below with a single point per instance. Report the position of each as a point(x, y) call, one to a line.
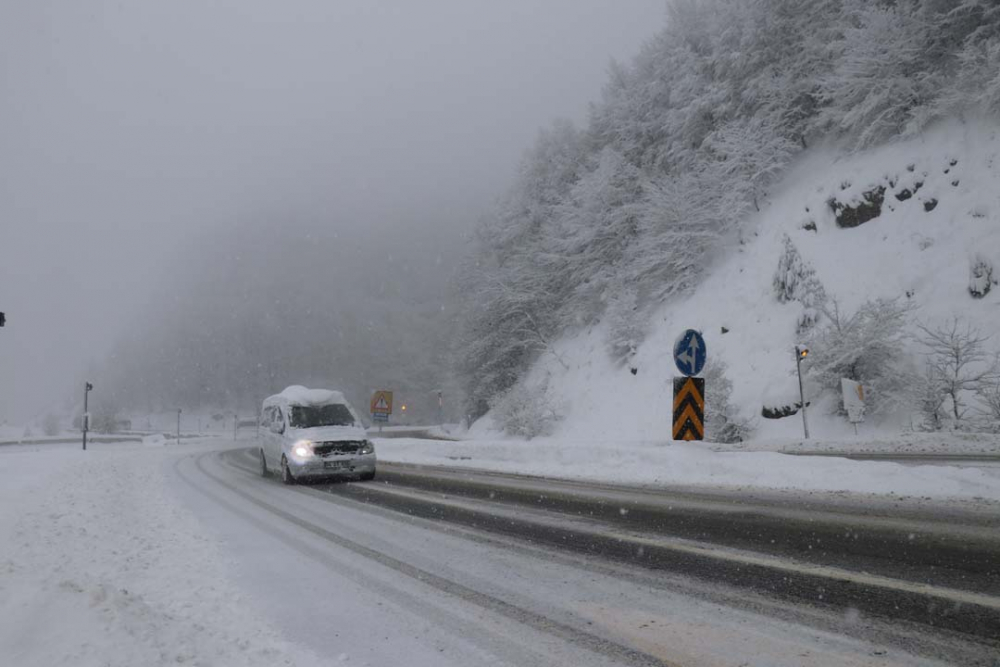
point(313, 433)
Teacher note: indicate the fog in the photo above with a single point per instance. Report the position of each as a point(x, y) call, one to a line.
point(128, 130)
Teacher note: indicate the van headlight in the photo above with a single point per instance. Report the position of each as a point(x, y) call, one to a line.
point(368, 447)
point(303, 449)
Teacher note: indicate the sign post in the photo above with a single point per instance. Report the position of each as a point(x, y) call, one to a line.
point(690, 355)
point(381, 407)
point(87, 387)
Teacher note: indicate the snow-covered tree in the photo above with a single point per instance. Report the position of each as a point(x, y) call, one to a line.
point(796, 280)
point(981, 278)
point(526, 410)
point(747, 154)
point(505, 328)
point(545, 177)
point(966, 39)
point(867, 347)
point(959, 364)
point(879, 78)
point(679, 228)
point(626, 323)
point(51, 426)
point(514, 286)
point(989, 405)
point(722, 420)
point(596, 227)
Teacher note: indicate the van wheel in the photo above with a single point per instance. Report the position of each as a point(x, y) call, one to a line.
point(367, 476)
point(286, 474)
point(264, 472)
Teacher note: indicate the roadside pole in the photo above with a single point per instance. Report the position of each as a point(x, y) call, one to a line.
point(86, 412)
point(178, 426)
point(236, 425)
point(800, 354)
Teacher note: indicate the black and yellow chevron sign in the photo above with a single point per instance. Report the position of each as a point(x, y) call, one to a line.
point(689, 408)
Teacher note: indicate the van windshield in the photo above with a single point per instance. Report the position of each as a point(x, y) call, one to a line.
point(309, 416)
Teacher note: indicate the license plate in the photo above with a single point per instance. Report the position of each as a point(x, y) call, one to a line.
point(336, 465)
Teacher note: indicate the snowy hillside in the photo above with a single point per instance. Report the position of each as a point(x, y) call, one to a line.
point(918, 251)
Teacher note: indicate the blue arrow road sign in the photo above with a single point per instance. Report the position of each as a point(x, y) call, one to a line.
point(690, 353)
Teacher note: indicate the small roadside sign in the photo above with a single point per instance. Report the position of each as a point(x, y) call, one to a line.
point(854, 400)
point(381, 404)
point(690, 353)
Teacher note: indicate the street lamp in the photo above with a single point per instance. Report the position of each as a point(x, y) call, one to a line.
point(87, 387)
point(801, 352)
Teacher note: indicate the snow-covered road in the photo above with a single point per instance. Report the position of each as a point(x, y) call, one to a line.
point(131, 555)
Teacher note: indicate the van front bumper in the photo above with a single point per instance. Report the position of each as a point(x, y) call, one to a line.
point(332, 466)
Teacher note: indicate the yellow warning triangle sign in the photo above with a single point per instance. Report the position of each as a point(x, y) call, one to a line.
point(380, 404)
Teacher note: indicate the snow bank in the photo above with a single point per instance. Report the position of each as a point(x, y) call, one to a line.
point(676, 464)
point(101, 566)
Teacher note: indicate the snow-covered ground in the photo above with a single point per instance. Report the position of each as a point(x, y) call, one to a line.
point(139, 554)
point(100, 565)
point(921, 257)
point(681, 464)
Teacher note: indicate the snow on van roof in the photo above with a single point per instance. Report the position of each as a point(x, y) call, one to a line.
point(299, 395)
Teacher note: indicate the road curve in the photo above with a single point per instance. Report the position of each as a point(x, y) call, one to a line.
point(618, 557)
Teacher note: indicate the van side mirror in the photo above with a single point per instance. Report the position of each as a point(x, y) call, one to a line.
point(278, 427)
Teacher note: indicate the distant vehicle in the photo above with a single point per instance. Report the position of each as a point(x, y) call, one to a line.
point(313, 433)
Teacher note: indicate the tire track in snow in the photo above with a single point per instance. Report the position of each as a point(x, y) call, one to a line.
point(574, 636)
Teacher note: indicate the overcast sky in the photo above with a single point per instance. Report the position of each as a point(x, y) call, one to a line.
point(129, 127)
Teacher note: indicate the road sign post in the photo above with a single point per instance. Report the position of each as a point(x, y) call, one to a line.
point(690, 355)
